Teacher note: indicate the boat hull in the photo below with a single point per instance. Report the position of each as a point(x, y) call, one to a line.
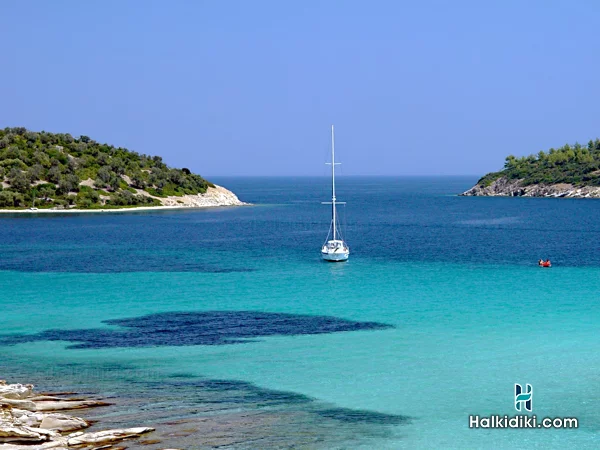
point(335, 256)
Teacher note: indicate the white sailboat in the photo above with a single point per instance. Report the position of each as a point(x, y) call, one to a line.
point(335, 249)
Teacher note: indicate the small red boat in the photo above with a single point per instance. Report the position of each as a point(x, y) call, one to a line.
point(544, 263)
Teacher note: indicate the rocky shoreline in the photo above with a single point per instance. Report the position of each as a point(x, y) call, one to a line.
point(503, 187)
point(32, 421)
point(214, 196)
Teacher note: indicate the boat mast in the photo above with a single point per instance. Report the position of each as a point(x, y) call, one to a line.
point(333, 182)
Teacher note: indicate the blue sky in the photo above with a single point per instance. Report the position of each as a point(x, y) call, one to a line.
point(251, 87)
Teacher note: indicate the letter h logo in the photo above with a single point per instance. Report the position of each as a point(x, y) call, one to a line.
point(523, 397)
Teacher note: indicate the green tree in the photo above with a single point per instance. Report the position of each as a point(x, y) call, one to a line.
point(115, 182)
point(53, 175)
point(41, 158)
point(68, 183)
point(35, 172)
point(47, 191)
point(104, 175)
point(10, 199)
point(138, 179)
point(18, 180)
point(117, 165)
point(87, 197)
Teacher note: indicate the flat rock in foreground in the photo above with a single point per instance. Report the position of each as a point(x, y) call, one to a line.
point(26, 422)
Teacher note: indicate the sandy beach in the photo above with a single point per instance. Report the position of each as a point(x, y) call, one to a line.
point(108, 210)
point(214, 197)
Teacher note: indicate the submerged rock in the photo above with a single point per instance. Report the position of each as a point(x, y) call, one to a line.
point(67, 404)
point(58, 405)
point(107, 436)
point(198, 328)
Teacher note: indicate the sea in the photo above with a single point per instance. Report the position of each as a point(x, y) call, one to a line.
point(223, 328)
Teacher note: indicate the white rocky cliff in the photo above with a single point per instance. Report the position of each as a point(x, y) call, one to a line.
point(217, 196)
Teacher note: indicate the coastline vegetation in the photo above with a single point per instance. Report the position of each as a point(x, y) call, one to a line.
point(51, 170)
point(574, 164)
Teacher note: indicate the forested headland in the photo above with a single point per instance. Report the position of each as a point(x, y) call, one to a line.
point(56, 170)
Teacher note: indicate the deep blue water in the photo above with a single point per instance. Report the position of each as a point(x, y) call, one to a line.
point(407, 219)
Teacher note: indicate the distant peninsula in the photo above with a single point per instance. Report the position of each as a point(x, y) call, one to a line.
point(569, 171)
point(41, 171)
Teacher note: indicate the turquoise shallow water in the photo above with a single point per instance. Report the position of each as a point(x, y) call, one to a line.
point(455, 277)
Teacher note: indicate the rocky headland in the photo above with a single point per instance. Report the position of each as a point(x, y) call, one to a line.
point(503, 187)
point(571, 171)
point(41, 171)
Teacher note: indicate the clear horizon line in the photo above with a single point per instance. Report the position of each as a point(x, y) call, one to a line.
point(341, 176)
